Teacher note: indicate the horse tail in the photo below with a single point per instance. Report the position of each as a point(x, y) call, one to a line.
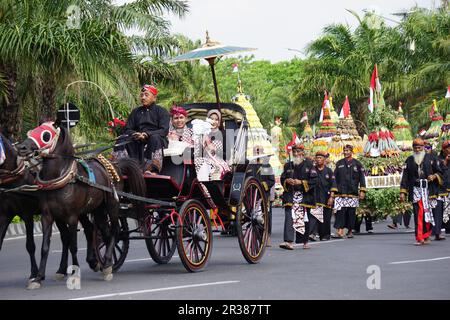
point(135, 183)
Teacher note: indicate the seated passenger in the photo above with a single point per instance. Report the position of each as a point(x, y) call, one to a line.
point(178, 130)
point(208, 151)
point(147, 126)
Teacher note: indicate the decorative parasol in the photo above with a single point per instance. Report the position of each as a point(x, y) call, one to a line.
point(209, 51)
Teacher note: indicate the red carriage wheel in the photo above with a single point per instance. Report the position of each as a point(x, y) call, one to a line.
point(161, 246)
point(252, 221)
point(194, 237)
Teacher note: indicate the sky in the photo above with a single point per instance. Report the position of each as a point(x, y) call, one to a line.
point(273, 26)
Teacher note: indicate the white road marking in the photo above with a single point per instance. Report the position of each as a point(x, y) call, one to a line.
point(424, 260)
point(23, 237)
point(110, 295)
point(145, 259)
point(317, 242)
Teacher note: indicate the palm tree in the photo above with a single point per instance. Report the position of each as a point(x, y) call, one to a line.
point(35, 34)
point(342, 61)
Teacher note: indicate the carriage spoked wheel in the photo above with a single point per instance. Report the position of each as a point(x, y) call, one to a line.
point(120, 248)
point(194, 238)
point(252, 221)
point(161, 246)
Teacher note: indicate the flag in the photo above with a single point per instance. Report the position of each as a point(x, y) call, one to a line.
point(448, 93)
point(293, 141)
point(304, 118)
point(375, 87)
point(235, 67)
point(433, 109)
point(325, 104)
point(2, 152)
point(345, 111)
point(422, 132)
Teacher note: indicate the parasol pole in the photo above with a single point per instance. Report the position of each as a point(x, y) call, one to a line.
point(213, 72)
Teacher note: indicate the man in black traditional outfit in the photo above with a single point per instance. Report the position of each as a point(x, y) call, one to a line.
point(350, 182)
point(326, 181)
point(441, 211)
point(299, 179)
point(422, 176)
point(148, 127)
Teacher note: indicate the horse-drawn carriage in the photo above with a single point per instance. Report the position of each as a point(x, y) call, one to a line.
point(181, 215)
point(173, 209)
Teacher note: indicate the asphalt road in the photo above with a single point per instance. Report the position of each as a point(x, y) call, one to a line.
point(335, 269)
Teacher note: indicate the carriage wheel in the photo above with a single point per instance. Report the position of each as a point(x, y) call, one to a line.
point(120, 248)
point(194, 238)
point(163, 247)
point(252, 221)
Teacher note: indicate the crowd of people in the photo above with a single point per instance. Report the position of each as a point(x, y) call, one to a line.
point(312, 190)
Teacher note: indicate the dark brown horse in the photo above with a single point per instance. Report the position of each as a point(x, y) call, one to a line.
point(12, 175)
point(66, 200)
point(25, 204)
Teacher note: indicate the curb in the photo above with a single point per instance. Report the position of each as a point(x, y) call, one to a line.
point(18, 229)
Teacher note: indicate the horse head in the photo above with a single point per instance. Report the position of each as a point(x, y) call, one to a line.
point(8, 155)
point(12, 167)
point(43, 139)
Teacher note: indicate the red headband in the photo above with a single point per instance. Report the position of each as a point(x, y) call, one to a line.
point(175, 110)
point(151, 89)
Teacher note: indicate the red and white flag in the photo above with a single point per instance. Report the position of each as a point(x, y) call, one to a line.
point(375, 86)
point(447, 96)
point(345, 111)
point(325, 104)
point(235, 67)
point(293, 142)
point(304, 118)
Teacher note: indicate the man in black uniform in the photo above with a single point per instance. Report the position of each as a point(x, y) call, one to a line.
point(446, 171)
point(443, 202)
point(148, 126)
point(350, 181)
point(326, 181)
point(422, 176)
point(299, 179)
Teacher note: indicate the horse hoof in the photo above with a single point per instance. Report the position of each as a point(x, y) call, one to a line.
point(107, 274)
point(33, 285)
point(59, 276)
point(108, 277)
point(97, 267)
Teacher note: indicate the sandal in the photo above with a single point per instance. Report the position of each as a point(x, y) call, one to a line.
point(306, 246)
point(287, 246)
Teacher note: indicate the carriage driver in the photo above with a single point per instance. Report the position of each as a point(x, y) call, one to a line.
point(148, 126)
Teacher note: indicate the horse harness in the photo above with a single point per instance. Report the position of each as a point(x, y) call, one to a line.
point(7, 176)
point(71, 175)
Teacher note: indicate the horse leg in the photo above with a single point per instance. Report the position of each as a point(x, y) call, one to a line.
point(5, 220)
point(73, 241)
point(112, 209)
point(91, 259)
point(47, 222)
point(64, 234)
point(30, 245)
